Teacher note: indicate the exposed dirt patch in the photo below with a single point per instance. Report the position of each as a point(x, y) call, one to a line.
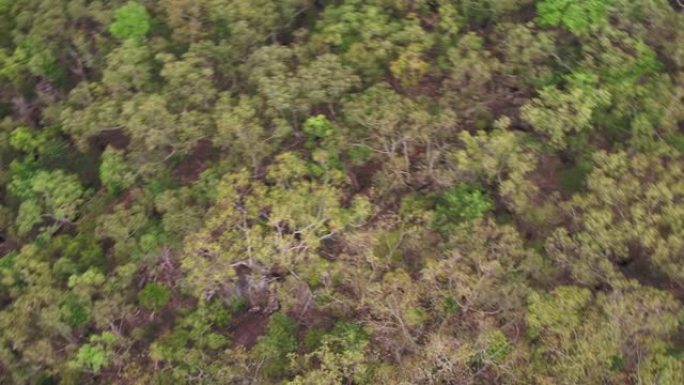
point(190, 168)
point(126, 199)
point(546, 176)
point(639, 267)
point(362, 176)
point(6, 246)
point(430, 85)
point(248, 327)
point(332, 247)
point(116, 138)
point(527, 13)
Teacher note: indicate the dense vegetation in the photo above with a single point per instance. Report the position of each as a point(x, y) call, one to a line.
point(342, 192)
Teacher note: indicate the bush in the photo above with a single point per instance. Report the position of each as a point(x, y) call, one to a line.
point(131, 22)
point(461, 204)
point(154, 296)
point(274, 347)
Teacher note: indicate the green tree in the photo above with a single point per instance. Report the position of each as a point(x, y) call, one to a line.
point(97, 353)
point(577, 16)
point(115, 174)
point(499, 158)
point(154, 296)
point(274, 347)
point(280, 224)
point(131, 21)
point(47, 194)
point(462, 203)
point(556, 114)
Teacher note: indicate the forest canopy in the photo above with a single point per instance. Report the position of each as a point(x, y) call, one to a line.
point(321, 192)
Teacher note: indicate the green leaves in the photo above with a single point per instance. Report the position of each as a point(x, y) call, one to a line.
point(576, 15)
point(91, 357)
point(28, 216)
point(460, 204)
point(318, 127)
point(154, 296)
point(96, 354)
point(74, 313)
point(558, 313)
point(556, 114)
point(24, 140)
point(115, 174)
point(404, 182)
point(131, 21)
point(54, 194)
point(274, 347)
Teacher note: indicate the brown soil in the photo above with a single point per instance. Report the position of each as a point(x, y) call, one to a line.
point(362, 177)
point(248, 327)
point(639, 267)
point(545, 177)
point(192, 166)
point(116, 138)
point(6, 246)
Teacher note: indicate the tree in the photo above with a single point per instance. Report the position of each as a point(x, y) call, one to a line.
point(629, 214)
point(462, 203)
point(499, 158)
point(410, 68)
point(240, 129)
point(470, 66)
point(585, 339)
point(96, 354)
point(366, 36)
point(188, 83)
point(129, 68)
point(157, 130)
point(340, 357)
point(527, 54)
point(387, 121)
point(115, 174)
point(131, 21)
point(153, 296)
point(290, 92)
point(275, 224)
point(276, 345)
point(478, 272)
point(53, 194)
point(577, 16)
point(555, 114)
point(122, 224)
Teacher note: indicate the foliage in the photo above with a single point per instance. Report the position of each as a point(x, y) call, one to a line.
point(96, 354)
point(54, 194)
point(131, 21)
point(341, 192)
point(114, 172)
point(577, 16)
point(556, 113)
point(462, 203)
point(153, 296)
point(275, 346)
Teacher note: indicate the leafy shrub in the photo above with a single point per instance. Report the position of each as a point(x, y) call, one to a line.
point(95, 355)
point(131, 22)
point(279, 341)
point(318, 127)
point(74, 313)
point(576, 16)
point(114, 173)
point(460, 204)
point(154, 296)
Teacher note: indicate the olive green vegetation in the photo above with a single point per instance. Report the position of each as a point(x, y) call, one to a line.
point(321, 192)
